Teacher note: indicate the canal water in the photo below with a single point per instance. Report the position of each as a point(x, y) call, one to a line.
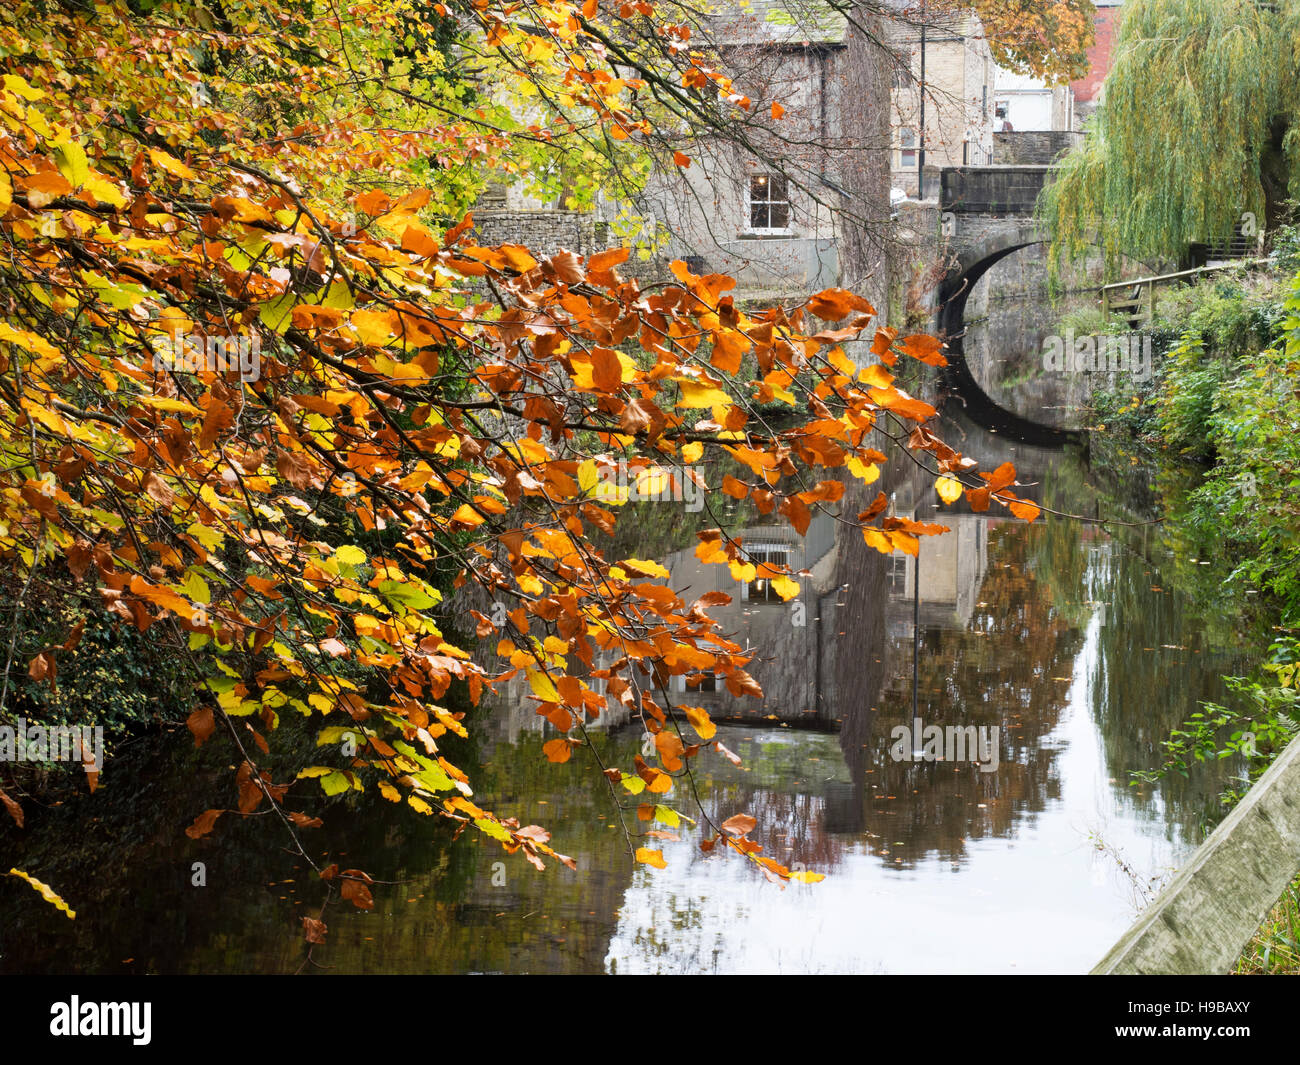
point(1070, 648)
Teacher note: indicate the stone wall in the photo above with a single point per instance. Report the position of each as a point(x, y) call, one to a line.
point(1032, 147)
point(1011, 190)
point(541, 231)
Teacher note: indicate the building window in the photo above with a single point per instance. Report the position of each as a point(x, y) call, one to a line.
point(704, 681)
point(760, 589)
point(898, 575)
point(769, 203)
point(907, 142)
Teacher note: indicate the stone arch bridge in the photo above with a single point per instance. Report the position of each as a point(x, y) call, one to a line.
point(986, 215)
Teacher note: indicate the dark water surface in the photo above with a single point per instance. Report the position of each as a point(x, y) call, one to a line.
point(1063, 639)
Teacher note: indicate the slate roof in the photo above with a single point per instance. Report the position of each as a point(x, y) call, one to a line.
point(779, 22)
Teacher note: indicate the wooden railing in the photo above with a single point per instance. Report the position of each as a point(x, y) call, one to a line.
point(1202, 919)
point(1136, 299)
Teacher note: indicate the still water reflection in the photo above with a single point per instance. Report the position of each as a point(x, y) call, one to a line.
point(1056, 636)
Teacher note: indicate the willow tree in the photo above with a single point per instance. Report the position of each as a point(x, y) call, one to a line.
point(1196, 132)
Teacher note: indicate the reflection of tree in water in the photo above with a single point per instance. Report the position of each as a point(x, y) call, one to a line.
point(1008, 668)
point(1156, 665)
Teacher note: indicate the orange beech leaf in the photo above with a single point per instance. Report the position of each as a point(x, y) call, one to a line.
point(558, 750)
point(927, 349)
point(832, 304)
point(201, 724)
point(1024, 509)
point(203, 824)
point(739, 824)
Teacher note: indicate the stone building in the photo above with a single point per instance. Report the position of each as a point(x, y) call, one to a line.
point(958, 98)
point(801, 203)
point(790, 206)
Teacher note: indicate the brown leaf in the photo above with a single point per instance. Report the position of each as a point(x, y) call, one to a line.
point(294, 468)
point(216, 421)
point(358, 894)
point(41, 666)
point(156, 489)
point(606, 370)
point(567, 267)
point(204, 823)
point(201, 724)
point(15, 811)
point(314, 930)
point(78, 556)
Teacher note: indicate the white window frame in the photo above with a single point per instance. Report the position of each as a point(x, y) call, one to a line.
point(774, 231)
point(904, 148)
point(763, 552)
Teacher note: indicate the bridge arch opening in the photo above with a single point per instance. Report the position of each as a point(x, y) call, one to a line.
point(959, 378)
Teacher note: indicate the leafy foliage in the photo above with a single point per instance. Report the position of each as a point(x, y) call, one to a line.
point(1257, 732)
point(1048, 39)
point(423, 407)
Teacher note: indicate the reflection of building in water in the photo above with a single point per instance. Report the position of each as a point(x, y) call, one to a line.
point(994, 650)
point(952, 569)
point(786, 638)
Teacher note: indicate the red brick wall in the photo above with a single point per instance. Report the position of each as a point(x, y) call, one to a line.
point(1087, 87)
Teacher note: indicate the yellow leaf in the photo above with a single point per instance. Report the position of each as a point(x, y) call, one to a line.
point(642, 568)
point(743, 571)
point(19, 87)
point(350, 555)
point(178, 406)
point(648, 857)
point(866, 471)
point(171, 164)
point(949, 489)
point(786, 588)
point(71, 159)
point(542, 686)
point(808, 878)
point(35, 344)
point(696, 396)
point(692, 452)
point(700, 721)
point(46, 892)
point(103, 190)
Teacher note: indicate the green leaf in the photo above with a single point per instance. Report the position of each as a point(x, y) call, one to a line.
point(335, 783)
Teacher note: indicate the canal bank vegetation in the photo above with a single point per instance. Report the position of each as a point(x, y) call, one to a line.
point(1194, 144)
point(1218, 422)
